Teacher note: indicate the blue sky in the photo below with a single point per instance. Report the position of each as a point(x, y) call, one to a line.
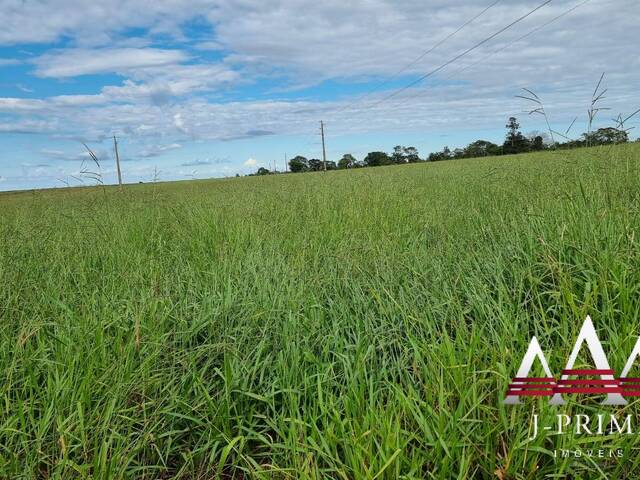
point(204, 88)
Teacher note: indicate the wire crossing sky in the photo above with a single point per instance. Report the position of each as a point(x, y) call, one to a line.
point(460, 55)
point(421, 56)
point(204, 88)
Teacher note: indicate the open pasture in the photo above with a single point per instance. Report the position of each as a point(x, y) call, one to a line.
point(359, 324)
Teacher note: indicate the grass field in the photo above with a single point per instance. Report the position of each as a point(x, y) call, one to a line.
point(359, 324)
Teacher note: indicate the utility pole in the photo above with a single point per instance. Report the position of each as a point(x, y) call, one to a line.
point(324, 151)
point(115, 146)
point(286, 164)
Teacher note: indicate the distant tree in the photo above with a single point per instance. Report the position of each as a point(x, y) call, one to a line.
point(376, 159)
point(571, 144)
point(411, 154)
point(263, 171)
point(315, 165)
point(606, 136)
point(445, 154)
point(481, 148)
point(459, 153)
point(513, 128)
point(347, 161)
point(546, 138)
point(298, 164)
point(398, 156)
point(515, 142)
point(331, 165)
point(537, 143)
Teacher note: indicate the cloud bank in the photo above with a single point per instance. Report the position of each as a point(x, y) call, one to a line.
point(164, 75)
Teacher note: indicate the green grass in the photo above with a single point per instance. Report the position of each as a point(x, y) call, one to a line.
point(357, 324)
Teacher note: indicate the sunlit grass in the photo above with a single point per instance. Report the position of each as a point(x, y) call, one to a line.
point(353, 324)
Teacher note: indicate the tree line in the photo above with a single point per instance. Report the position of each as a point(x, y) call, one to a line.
point(515, 142)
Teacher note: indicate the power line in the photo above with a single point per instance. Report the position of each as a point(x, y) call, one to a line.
point(485, 57)
point(460, 55)
point(531, 32)
point(411, 64)
point(420, 57)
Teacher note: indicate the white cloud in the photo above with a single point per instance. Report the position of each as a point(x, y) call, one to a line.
point(18, 105)
point(9, 61)
point(208, 46)
point(179, 123)
point(26, 126)
point(250, 162)
point(24, 89)
point(75, 156)
point(162, 84)
point(75, 62)
point(53, 153)
point(155, 150)
point(437, 108)
point(90, 22)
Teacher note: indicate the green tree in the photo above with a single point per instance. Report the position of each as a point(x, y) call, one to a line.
point(263, 171)
point(347, 161)
point(481, 148)
point(545, 137)
point(376, 159)
point(537, 143)
point(606, 136)
point(515, 142)
point(398, 156)
point(411, 154)
point(298, 164)
point(315, 165)
point(445, 154)
point(513, 128)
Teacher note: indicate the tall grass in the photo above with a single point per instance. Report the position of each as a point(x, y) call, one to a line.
point(360, 324)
